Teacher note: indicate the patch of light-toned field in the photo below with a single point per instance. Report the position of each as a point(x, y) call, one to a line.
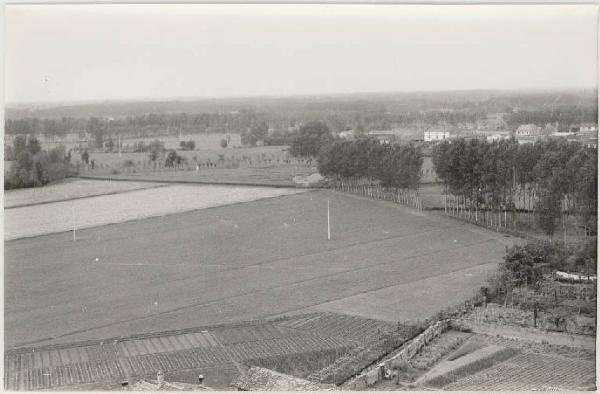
point(94, 211)
point(69, 190)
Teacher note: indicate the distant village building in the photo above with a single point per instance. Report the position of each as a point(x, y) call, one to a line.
point(584, 128)
point(527, 130)
point(384, 137)
point(346, 134)
point(497, 136)
point(435, 135)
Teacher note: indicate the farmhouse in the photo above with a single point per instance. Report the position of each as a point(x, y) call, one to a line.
point(346, 134)
point(497, 136)
point(435, 135)
point(584, 128)
point(526, 130)
point(384, 137)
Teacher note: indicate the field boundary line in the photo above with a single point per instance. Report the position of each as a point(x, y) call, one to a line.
point(275, 316)
point(83, 197)
point(199, 182)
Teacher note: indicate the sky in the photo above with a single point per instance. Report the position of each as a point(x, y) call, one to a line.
point(62, 53)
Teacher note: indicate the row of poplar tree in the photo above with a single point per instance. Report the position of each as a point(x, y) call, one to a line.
point(395, 166)
point(550, 178)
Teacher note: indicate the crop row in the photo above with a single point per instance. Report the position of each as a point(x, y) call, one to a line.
point(252, 333)
point(435, 350)
point(282, 346)
point(350, 327)
point(150, 363)
point(80, 373)
point(530, 371)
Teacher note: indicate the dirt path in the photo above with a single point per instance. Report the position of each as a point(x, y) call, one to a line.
point(534, 335)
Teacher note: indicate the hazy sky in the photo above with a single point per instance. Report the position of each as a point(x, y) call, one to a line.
point(89, 52)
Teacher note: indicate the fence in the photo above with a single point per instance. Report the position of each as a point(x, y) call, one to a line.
point(371, 189)
point(519, 219)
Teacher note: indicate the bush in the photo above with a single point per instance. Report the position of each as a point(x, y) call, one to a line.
point(35, 167)
point(187, 145)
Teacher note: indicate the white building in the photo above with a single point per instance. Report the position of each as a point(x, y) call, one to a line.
point(589, 128)
point(497, 136)
point(346, 134)
point(435, 135)
point(526, 130)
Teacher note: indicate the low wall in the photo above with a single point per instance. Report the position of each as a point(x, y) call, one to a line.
point(408, 351)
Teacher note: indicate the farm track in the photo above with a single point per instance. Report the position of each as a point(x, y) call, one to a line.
point(110, 361)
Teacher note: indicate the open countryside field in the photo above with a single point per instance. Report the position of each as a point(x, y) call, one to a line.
point(271, 176)
point(32, 220)
point(236, 263)
point(68, 190)
point(77, 141)
point(114, 160)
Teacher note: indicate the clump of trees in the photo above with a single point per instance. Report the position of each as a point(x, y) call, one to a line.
point(259, 131)
point(530, 265)
point(550, 178)
point(187, 145)
point(173, 159)
point(397, 166)
point(34, 166)
point(311, 138)
point(156, 148)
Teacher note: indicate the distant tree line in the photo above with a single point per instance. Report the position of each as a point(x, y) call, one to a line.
point(550, 178)
point(563, 116)
point(32, 166)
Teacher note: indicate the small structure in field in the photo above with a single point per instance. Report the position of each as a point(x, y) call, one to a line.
point(263, 379)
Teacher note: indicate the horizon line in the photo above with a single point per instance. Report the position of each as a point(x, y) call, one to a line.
point(62, 103)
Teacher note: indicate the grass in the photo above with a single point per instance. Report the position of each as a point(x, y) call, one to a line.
point(274, 176)
point(239, 262)
point(252, 156)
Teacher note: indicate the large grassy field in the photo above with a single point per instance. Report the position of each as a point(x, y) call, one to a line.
point(64, 215)
point(240, 262)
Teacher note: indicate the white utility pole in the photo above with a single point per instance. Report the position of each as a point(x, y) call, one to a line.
point(328, 223)
point(73, 214)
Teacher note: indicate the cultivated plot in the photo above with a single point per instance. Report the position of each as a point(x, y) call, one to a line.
point(61, 216)
point(68, 190)
point(238, 262)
